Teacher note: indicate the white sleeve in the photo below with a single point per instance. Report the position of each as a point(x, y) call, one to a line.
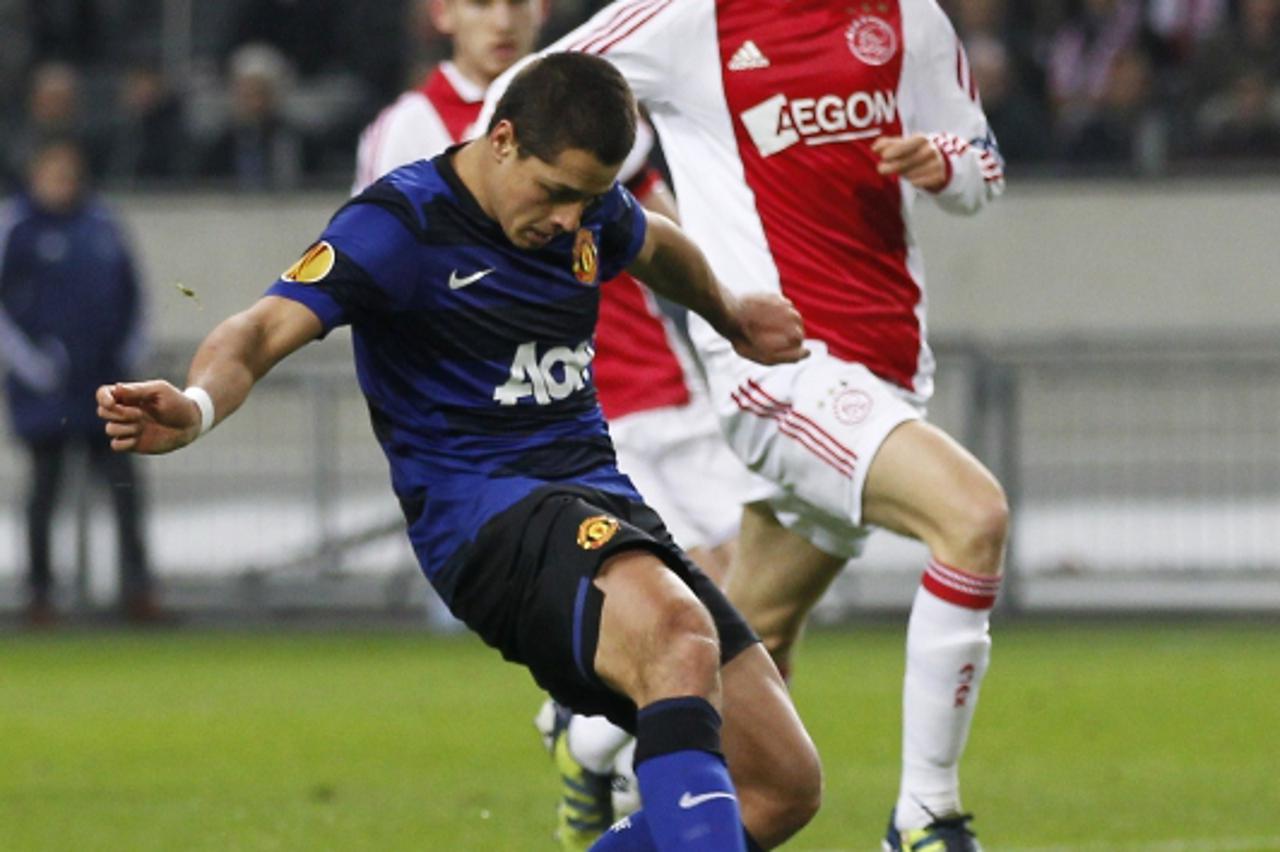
point(406, 131)
point(642, 38)
point(942, 102)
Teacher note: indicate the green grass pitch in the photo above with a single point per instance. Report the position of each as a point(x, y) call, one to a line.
point(1089, 737)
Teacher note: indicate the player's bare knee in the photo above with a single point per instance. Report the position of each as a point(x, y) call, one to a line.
point(976, 530)
point(685, 657)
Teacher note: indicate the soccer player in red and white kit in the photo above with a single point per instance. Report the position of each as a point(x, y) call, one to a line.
point(799, 134)
point(663, 429)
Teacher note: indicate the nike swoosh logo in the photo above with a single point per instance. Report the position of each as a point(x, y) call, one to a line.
point(688, 800)
point(456, 283)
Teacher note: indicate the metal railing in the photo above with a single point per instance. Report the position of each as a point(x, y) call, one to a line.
point(1142, 474)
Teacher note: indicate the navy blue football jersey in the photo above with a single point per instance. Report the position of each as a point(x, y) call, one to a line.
point(474, 355)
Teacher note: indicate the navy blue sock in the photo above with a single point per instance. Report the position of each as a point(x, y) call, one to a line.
point(631, 834)
point(689, 802)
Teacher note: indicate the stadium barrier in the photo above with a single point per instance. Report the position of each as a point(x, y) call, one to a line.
point(1143, 475)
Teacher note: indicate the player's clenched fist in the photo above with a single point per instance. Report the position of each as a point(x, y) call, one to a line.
point(148, 417)
point(914, 158)
point(770, 329)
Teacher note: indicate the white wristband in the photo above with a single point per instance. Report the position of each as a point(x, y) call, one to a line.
point(204, 402)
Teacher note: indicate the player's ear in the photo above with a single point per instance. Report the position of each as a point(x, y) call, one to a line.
point(502, 140)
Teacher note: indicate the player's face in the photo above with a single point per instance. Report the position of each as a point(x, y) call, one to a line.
point(535, 201)
point(489, 35)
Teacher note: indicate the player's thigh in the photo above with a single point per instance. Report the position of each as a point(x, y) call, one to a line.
point(924, 484)
point(777, 576)
point(656, 639)
point(527, 587)
point(773, 761)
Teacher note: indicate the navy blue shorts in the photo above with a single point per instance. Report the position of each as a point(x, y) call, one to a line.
point(526, 587)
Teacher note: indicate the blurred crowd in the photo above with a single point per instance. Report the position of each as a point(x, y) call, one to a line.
point(271, 94)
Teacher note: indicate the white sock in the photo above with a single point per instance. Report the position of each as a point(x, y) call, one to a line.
point(594, 742)
point(948, 650)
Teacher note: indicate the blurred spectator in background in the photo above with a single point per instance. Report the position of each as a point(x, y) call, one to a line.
point(1243, 122)
point(15, 53)
point(1019, 121)
point(68, 30)
point(304, 31)
point(1122, 130)
point(261, 147)
point(54, 111)
point(1249, 42)
point(1041, 61)
point(1081, 58)
point(70, 319)
point(149, 139)
point(1180, 26)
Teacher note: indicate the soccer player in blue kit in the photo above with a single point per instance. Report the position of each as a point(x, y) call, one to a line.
point(470, 282)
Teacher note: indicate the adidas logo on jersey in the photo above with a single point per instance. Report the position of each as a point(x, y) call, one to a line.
point(748, 58)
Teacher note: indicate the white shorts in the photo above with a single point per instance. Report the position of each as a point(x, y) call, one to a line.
point(680, 463)
point(810, 429)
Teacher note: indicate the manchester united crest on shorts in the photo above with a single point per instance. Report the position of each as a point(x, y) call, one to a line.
point(313, 266)
point(584, 257)
point(595, 532)
point(871, 39)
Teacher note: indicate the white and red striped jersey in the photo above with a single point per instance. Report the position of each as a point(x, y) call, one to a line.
point(420, 123)
point(767, 110)
point(636, 365)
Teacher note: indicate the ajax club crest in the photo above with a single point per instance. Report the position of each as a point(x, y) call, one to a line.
point(584, 257)
point(871, 39)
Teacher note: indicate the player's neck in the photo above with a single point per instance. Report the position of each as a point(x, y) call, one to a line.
point(469, 163)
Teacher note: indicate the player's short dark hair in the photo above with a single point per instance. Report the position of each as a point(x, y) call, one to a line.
point(570, 100)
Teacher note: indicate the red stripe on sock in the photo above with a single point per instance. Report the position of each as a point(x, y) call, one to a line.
point(973, 591)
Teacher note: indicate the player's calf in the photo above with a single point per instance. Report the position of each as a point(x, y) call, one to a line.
point(658, 645)
point(774, 762)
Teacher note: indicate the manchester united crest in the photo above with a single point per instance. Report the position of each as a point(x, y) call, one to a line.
point(584, 257)
point(595, 532)
point(313, 266)
point(871, 39)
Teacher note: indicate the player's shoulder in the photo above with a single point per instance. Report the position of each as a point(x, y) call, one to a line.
point(17, 207)
point(406, 193)
point(410, 107)
point(419, 181)
point(12, 210)
point(635, 23)
point(925, 20)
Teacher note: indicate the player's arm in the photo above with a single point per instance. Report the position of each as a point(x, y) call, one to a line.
point(764, 327)
point(949, 149)
point(155, 417)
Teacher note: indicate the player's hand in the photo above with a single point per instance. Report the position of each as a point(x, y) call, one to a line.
point(771, 329)
point(914, 158)
point(148, 417)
